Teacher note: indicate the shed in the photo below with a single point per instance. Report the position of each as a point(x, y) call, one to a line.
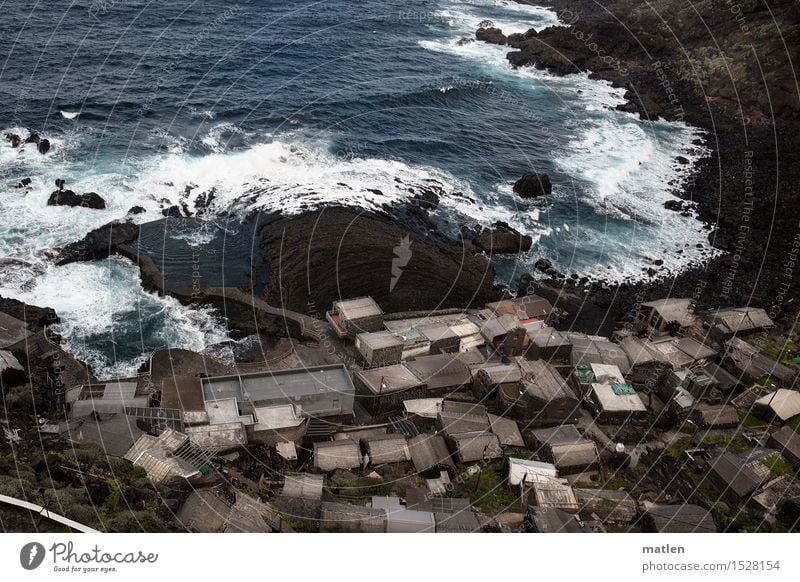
point(428, 452)
point(444, 373)
point(390, 448)
point(567, 450)
point(332, 455)
point(592, 351)
point(505, 334)
point(699, 352)
point(543, 395)
point(400, 519)
point(725, 381)
point(423, 407)
point(787, 442)
point(506, 430)
point(548, 344)
point(617, 403)
point(443, 339)
point(715, 417)
point(476, 446)
point(555, 493)
point(489, 377)
point(384, 389)
point(610, 505)
point(736, 477)
point(343, 517)
point(379, 348)
point(524, 471)
point(781, 405)
point(524, 307)
point(550, 520)
point(752, 363)
point(217, 437)
point(464, 521)
point(685, 518)
point(656, 316)
point(275, 424)
point(303, 486)
point(452, 423)
point(726, 323)
point(350, 317)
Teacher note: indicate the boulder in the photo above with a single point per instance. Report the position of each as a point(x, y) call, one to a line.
point(136, 210)
point(503, 240)
point(99, 243)
point(533, 186)
point(33, 138)
point(44, 146)
point(24, 183)
point(543, 265)
point(491, 35)
point(13, 139)
point(173, 211)
point(69, 198)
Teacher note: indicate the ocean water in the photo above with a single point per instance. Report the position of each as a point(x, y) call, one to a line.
point(290, 106)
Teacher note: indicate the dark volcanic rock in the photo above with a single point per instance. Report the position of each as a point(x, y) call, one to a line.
point(23, 183)
point(13, 139)
point(136, 210)
point(339, 253)
point(533, 186)
point(491, 35)
point(543, 265)
point(44, 146)
point(173, 211)
point(33, 138)
point(69, 198)
point(99, 243)
point(502, 241)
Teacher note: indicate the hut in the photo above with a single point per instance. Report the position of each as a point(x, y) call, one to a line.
point(523, 471)
point(525, 308)
point(616, 403)
point(475, 446)
point(554, 493)
point(400, 519)
point(715, 417)
point(505, 334)
point(444, 373)
point(741, 321)
point(550, 520)
point(379, 348)
point(549, 345)
point(303, 486)
point(390, 448)
point(781, 405)
point(647, 363)
point(787, 442)
point(752, 363)
point(443, 339)
point(488, 378)
point(464, 521)
point(567, 449)
point(341, 454)
point(542, 395)
point(593, 351)
point(662, 315)
point(430, 452)
point(383, 390)
point(343, 517)
point(737, 477)
point(351, 317)
point(685, 518)
point(506, 430)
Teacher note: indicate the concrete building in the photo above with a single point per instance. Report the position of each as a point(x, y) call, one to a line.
point(656, 317)
point(351, 317)
point(379, 348)
point(383, 390)
point(342, 454)
point(505, 334)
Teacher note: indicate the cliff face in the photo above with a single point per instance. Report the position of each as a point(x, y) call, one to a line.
point(322, 256)
point(725, 66)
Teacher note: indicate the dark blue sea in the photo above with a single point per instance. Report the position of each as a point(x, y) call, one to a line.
point(294, 105)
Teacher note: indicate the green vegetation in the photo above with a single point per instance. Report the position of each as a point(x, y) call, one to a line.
point(346, 484)
point(750, 421)
point(777, 465)
point(488, 490)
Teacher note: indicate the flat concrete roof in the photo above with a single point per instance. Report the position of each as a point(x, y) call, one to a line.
point(278, 385)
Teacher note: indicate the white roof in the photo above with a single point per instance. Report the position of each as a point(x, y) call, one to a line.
point(604, 373)
point(276, 417)
point(224, 411)
point(522, 470)
point(609, 401)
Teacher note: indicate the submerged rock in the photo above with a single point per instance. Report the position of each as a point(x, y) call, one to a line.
point(533, 186)
point(69, 198)
point(13, 139)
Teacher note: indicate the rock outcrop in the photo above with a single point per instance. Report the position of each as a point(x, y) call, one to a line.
point(99, 243)
point(533, 186)
point(70, 198)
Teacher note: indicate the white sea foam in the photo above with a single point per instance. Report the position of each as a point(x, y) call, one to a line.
point(70, 114)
